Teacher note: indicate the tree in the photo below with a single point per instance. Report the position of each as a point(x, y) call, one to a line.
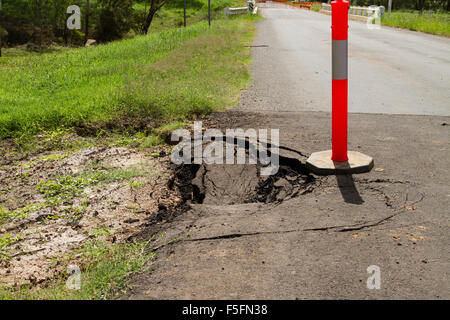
point(115, 18)
point(3, 33)
point(419, 5)
point(154, 7)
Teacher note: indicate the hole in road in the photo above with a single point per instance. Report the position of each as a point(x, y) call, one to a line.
point(225, 184)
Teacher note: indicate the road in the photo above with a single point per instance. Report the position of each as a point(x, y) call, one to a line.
point(311, 237)
point(391, 71)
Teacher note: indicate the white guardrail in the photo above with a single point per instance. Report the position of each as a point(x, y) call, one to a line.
point(251, 7)
point(360, 11)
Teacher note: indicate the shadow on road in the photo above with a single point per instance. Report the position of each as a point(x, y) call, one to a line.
point(348, 189)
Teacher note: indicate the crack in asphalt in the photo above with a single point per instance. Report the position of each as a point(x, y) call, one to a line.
point(342, 228)
point(379, 180)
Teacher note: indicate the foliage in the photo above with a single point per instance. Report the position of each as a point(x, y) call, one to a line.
point(43, 22)
point(114, 19)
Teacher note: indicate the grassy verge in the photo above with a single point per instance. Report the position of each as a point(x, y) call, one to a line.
point(434, 23)
point(23, 51)
point(205, 76)
point(168, 76)
point(104, 268)
point(146, 86)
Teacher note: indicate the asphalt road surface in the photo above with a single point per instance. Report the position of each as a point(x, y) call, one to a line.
point(391, 71)
point(300, 236)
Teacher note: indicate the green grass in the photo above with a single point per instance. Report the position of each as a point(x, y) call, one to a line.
point(150, 139)
point(10, 215)
point(65, 188)
point(167, 76)
point(316, 6)
point(116, 174)
point(62, 189)
point(21, 51)
point(5, 241)
point(205, 76)
point(105, 271)
point(434, 23)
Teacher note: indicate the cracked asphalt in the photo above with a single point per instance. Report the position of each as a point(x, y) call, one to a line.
point(316, 241)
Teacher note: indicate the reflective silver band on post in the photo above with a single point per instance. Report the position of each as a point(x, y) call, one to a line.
point(339, 59)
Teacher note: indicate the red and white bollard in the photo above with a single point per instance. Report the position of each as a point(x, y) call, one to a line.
point(339, 85)
point(339, 160)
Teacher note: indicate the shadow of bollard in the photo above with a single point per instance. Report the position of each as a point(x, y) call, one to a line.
point(348, 189)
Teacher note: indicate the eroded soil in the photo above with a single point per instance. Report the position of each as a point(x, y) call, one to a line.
point(53, 203)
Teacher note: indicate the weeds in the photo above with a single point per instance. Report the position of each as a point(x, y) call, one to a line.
point(135, 184)
point(62, 189)
point(5, 241)
point(107, 174)
point(9, 215)
point(105, 272)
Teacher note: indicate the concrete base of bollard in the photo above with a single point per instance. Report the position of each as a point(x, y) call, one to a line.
point(320, 163)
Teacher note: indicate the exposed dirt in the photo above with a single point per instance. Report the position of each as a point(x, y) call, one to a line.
point(120, 190)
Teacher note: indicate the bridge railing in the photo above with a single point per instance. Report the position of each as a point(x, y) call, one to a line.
point(357, 11)
point(251, 7)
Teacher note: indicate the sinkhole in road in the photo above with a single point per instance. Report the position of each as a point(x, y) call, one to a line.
point(228, 184)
